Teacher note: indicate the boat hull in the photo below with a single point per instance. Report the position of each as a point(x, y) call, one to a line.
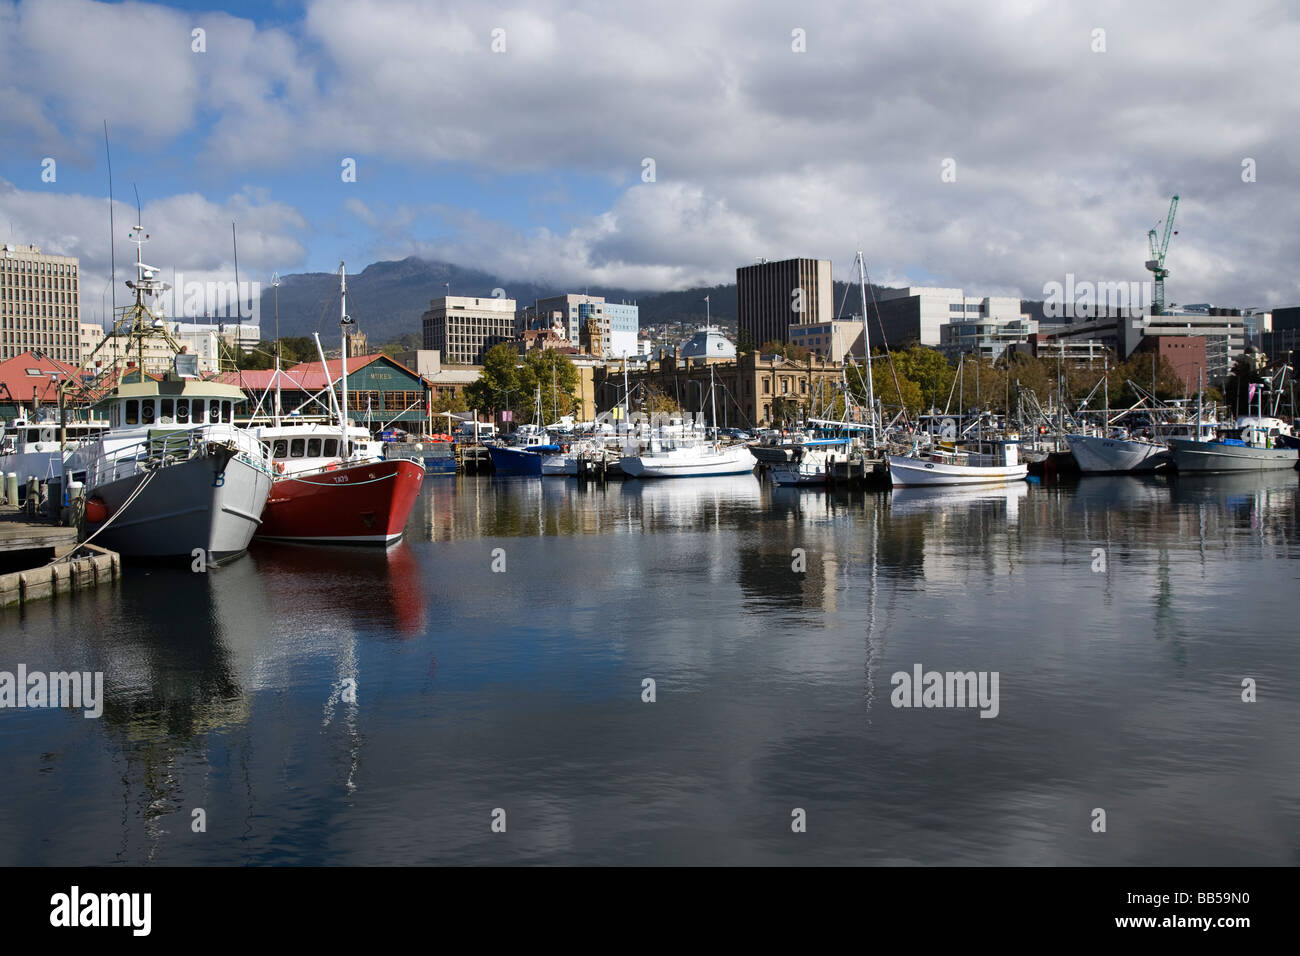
point(1197, 456)
point(367, 503)
point(915, 472)
point(799, 473)
point(513, 462)
point(207, 503)
point(731, 461)
point(1097, 455)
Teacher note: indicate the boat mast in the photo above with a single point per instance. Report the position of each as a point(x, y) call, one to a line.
point(866, 344)
point(1105, 415)
point(1199, 372)
point(275, 284)
point(343, 327)
point(713, 400)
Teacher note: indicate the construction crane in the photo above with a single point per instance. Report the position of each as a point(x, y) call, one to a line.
point(1156, 264)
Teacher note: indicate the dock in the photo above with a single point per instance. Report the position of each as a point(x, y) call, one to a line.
point(39, 559)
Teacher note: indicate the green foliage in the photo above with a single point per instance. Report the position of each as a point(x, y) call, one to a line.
point(450, 402)
point(927, 368)
point(500, 384)
point(1236, 387)
point(556, 375)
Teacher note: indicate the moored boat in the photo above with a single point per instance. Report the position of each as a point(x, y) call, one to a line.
point(333, 485)
point(991, 463)
point(172, 476)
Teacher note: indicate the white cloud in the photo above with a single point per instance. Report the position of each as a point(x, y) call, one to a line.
point(187, 232)
point(1064, 156)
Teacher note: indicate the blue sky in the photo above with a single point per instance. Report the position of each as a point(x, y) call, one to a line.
point(513, 138)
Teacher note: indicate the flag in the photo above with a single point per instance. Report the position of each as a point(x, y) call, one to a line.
point(1250, 393)
point(706, 298)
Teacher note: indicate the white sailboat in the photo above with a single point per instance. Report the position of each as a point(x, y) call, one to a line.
point(990, 463)
point(687, 454)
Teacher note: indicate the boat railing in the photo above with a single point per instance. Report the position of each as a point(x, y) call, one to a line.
point(163, 448)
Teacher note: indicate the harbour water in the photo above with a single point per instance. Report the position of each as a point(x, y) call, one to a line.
point(1121, 616)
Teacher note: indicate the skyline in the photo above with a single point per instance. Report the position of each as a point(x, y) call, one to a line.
point(528, 163)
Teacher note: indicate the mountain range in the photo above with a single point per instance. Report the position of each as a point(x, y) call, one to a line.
point(387, 299)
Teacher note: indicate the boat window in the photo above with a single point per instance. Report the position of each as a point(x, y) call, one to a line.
point(146, 412)
point(167, 410)
point(132, 412)
point(297, 447)
point(214, 412)
point(281, 449)
point(331, 447)
point(196, 411)
point(183, 412)
point(228, 411)
point(313, 447)
point(33, 435)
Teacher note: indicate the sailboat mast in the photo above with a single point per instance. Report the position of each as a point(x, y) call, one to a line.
point(275, 284)
point(866, 343)
point(1105, 415)
point(713, 400)
point(343, 326)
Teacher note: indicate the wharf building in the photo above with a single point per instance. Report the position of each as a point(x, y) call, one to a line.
point(40, 304)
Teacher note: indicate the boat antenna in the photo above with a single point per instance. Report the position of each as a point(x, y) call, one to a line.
point(239, 304)
point(112, 229)
point(275, 284)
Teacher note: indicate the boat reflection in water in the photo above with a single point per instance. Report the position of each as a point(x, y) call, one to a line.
point(914, 500)
point(699, 503)
point(380, 588)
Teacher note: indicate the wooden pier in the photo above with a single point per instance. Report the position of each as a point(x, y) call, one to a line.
point(39, 559)
point(473, 459)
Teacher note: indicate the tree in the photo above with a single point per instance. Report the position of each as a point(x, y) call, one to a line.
point(555, 374)
point(451, 401)
point(785, 410)
point(500, 384)
point(928, 368)
point(1236, 387)
point(744, 342)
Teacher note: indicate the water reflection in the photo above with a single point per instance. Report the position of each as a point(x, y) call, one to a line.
point(771, 619)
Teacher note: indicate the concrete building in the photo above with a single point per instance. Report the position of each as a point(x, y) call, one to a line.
point(89, 335)
point(829, 340)
point(567, 313)
point(622, 324)
point(1223, 329)
point(773, 296)
point(987, 337)
point(158, 355)
point(463, 328)
point(1186, 353)
point(40, 304)
point(917, 314)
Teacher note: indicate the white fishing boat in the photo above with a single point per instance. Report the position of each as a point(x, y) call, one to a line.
point(985, 463)
point(809, 462)
point(172, 475)
point(1117, 452)
point(687, 457)
point(31, 449)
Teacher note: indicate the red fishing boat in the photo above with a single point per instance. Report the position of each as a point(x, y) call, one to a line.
point(332, 483)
